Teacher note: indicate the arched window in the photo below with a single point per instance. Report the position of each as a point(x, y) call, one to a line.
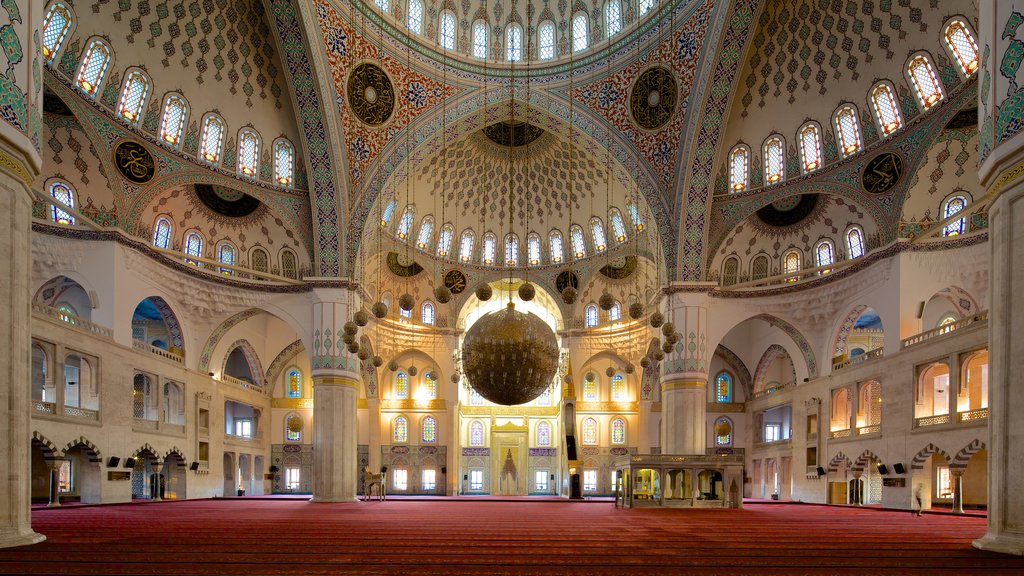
point(213, 139)
point(618, 226)
point(248, 152)
point(579, 247)
point(597, 230)
point(854, 242)
point(93, 67)
point(401, 385)
point(591, 316)
point(730, 271)
point(291, 435)
point(774, 160)
point(162, 233)
point(288, 267)
point(259, 260)
point(487, 252)
point(646, 6)
point(825, 256)
point(426, 233)
point(173, 122)
point(848, 129)
point(226, 255)
point(384, 5)
point(925, 82)
point(428, 429)
point(961, 43)
point(619, 388)
point(810, 148)
point(884, 102)
point(613, 17)
point(589, 431)
point(194, 247)
point(634, 213)
point(400, 430)
point(62, 192)
point(67, 313)
point(479, 39)
point(387, 214)
point(415, 20)
point(284, 161)
point(618, 431)
point(723, 387)
point(579, 32)
point(759, 267)
point(55, 30)
point(133, 96)
point(427, 313)
point(546, 37)
point(615, 312)
point(791, 264)
point(294, 381)
point(446, 32)
point(533, 249)
point(405, 222)
point(430, 382)
point(739, 169)
point(466, 246)
point(476, 433)
point(590, 387)
point(932, 394)
point(475, 399)
point(543, 434)
point(514, 43)
point(444, 240)
point(511, 250)
point(953, 206)
point(555, 246)
point(723, 432)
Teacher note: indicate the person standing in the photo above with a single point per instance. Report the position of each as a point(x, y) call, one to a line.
point(919, 498)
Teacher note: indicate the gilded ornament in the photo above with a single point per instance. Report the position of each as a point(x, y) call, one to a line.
point(134, 162)
point(361, 318)
point(645, 362)
point(882, 173)
point(353, 348)
point(370, 94)
point(569, 295)
point(658, 355)
point(348, 338)
point(609, 371)
point(590, 377)
point(406, 302)
point(605, 301)
point(443, 294)
point(413, 370)
point(379, 309)
point(668, 328)
point(350, 327)
point(363, 354)
point(393, 366)
point(636, 310)
point(295, 423)
point(455, 281)
point(527, 292)
point(378, 361)
point(657, 319)
point(455, 378)
point(723, 428)
point(630, 368)
point(484, 292)
point(653, 99)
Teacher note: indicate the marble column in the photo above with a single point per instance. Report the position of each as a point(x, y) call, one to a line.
point(54, 483)
point(684, 379)
point(156, 466)
point(958, 491)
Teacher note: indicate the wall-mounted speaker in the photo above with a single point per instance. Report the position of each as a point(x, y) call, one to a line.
point(129, 463)
point(444, 469)
point(194, 466)
point(821, 471)
point(113, 462)
point(898, 468)
point(883, 469)
point(465, 476)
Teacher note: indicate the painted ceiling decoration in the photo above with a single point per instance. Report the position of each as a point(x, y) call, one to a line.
point(402, 265)
point(619, 269)
point(370, 94)
point(134, 162)
point(226, 201)
point(653, 98)
point(788, 211)
point(513, 133)
point(52, 104)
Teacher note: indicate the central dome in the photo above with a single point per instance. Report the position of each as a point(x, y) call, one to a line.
point(509, 357)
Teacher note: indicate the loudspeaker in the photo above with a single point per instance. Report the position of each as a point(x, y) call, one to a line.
point(383, 469)
point(113, 462)
point(444, 469)
point(821, 471)
point(194, 466)
point(465, 476)
point(882, 469)
point(129, 463)
point(898, 468)
point(275, 469)
point(570, 447)
point(552, 476)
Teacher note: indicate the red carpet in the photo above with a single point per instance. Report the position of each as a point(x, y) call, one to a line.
point(407, 537)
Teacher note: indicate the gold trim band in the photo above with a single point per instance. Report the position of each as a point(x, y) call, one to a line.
point(331, 380)
point(683, 384)
point(1005, 177)
point(16, 168)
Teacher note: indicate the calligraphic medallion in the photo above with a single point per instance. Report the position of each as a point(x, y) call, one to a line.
point(455, 281)
point(882, 173)
point(134, 162)
point(371, 94)
point(653, 98)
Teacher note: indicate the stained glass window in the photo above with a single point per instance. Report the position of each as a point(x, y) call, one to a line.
point(259, 261)
point(825, 256)
point(791, 263)
point(774, 160)
point(384, 5)
point(579, 247)
point(284, 162)
point(810, 148)
point(415, 21)
point(618, 431)
point(213, 138)
point(294, 384)
point(175, 110)
point(429, 430)
point(194, 247)
point(289, 434)
point(730, 271)
point(618, 387)
point(444, 240)
point(579, 32)
point(634, 213)
point(430, 380)
point(533, 249)
point(613, 17)
point(723, 424)
point(848, 128)
point(555, 245)
point(646, 6)
point(511, 250)
point(589, 431)
point(618, 226)
point(67, 313)
point(248, 152)
point(514, 43)
point(405, 222)
point(759, 267)
point(591, 315)
point(62, 193)
point(543, 434)
point(426, 233)
point(226, 255)
point(446, 33)
point(590, 388)
point(479, 39)
point(288, 268)
point(401, 385)
point(55, 29)
point(133, 96)
point(884, 103)
point(597, 229)
point(487, 253)
point(615, 312)
point(547, 40)
point(162, 234)
point(400, 430)
point(387, 214)
point(427, 313)
point(466, 246)
point(962, 43)
point(739, 169)
point(93, 67)
point(855, 242)
point(953, 206)
point(723, 387)
point(476, 433)
point(925, 82)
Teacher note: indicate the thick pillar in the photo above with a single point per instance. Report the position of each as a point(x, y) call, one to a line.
point(958, 491)
point(684, 379)
point(155, 465)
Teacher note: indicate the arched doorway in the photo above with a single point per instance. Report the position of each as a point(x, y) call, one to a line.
point(230, 486)
point(144, 471)
point(175, 476)
point(84, 478)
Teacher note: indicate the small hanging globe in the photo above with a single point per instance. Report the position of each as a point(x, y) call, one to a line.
point(610, 371)
point(353, 348)
point(484, 292)
point(630, 368)
point(406, 302)
point(657, 319)
point(379, 309)
point(672, 338)
point(658, 355)
point(393, 366)
point(295, 423)
point(378, 361)
point(350, 328)
point(645, 362)
point(348, 338)
point(363, 355)
point(723, 428)
point(361, 318)
point(568, 295)
point(667, 347)
point(413, 370)
point(606, 301)
point(590, 377)
point(567, 379)
point(442, 294)
point(668, 329)
point(636, 310)
point(527, 292)
point(455, 378)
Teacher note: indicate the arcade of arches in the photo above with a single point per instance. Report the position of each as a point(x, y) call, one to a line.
point(774, 240)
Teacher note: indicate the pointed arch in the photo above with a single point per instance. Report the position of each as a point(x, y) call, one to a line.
point(837, 460)
point(798, 338)
point(144, 449)
point(927, 452)
point(48, 448)
point(88, 448)
point(962, 457)
point(738, 368)
point(250, 357)
point(218, 334)
point(839, 342)
point(283, 359)
point(174, 332)
point(176, 451)
point(864, 460)
point(773, 353)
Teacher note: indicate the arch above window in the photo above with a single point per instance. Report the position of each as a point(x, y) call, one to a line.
point(427, 313)
point(555, 247)
point(961, 43)
point(488, 249)
point(855, 242)
point(791, 264)
point(56, 25)
point(93, 66)
point(951, 207)
point(883, 100)
point(173, 122)
point(511, 250)
point(580, 32)
point(405, 222)
point(401, 385)
point(591, 316)
point(924, 80)
point(533, 249)
point(428, 430)
point(480, 39)
point(293, 381)
point(848, 130)
point(62, 192)
point(226, 254)
point(597, 233)
point(723, 431)
point(133, 95)
point(543, 434)
point(446, 31)
point(466, 246)
point(415, 16)
point(824, 255)
point(248, 153)
point(739, 168)
point(579, 247)
point(162, 233)
point(293, 428)
point(546, 39)
point(810, 147)
point(723, 387)
point(476, 433)
point(514, 43)
point(612, 17)
point(730, 271)
point(589, 428)
point(289, 269)
point(400, 430)
point(774, 160)
point(426, 234)
point(444, 240)
point(212, 140)
point(194, 247)
point(618, 431)
point(284, 161)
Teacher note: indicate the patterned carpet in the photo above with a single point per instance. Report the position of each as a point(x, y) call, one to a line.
point(260, 537)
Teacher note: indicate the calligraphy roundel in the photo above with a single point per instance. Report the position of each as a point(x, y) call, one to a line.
point(134, 162)
point(882, 173)
point(371, 94)
point(654, 98)
point(455, 281)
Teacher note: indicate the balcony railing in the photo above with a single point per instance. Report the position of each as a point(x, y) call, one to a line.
point(931, 420)
point(44, 407)
point(771, 443)
point(143, 424)
point(870, 355)
point(245, 439)
point(773, 390)
point(82, 413)
point(873, 429)
point(946, 329)
point(227, 379)
point(839, 434)
point(973, 415)
point(141, 346)
point(84, 325)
